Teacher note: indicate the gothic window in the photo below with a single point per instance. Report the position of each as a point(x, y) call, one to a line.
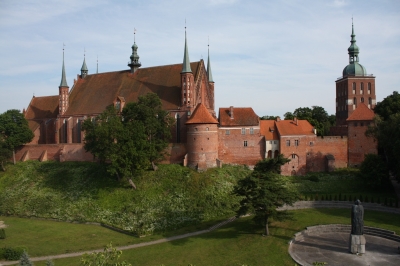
point(245, 143)
point(276, 153)
point(370, 100)
point(354, 88)
point(362, 88)
point(355, 101)
point(243, 131)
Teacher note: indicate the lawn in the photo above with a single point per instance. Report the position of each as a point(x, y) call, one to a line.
point(236, 243)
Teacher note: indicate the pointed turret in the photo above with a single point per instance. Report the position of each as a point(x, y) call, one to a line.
point(84, 69)
point(134, 64)
point(186, 61)
point(63, 78)
point(353, 49)
point(63, 91)
point(209, 74)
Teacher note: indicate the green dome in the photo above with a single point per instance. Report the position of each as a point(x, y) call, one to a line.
point(354, 69)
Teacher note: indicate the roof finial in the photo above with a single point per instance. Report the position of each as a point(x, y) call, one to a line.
point(84, 69)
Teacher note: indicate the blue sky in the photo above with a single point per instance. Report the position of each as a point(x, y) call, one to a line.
point(273, 56)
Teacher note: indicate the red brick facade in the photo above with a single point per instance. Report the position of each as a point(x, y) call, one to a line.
point(199, 140)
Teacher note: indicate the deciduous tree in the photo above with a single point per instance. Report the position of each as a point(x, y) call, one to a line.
point(131, 140)
point(264, 191)
point(14, 132)
point(109, 257)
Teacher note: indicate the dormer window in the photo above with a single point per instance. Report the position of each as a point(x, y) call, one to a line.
point(118, 106)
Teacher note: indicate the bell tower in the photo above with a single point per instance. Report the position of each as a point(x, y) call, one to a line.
point(63, 92)
point(135, 63)
point(187, 81)
point(355, 86)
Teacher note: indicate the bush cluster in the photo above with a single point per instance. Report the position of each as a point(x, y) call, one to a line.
point(10, 253)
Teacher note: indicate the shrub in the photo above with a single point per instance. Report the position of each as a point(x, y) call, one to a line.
point(385, 202)
point(374, 171)
point(24, 260)
point(2, 233)
point(344, 198)
point(10, 253)
point(340, 196)
point(49, 263)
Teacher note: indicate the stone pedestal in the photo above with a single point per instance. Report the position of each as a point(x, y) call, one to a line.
point(357, 244)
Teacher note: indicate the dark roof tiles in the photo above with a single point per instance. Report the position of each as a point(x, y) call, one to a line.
point(242, 116)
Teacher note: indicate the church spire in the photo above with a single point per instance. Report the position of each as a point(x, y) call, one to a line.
point(84, 69)
point(353, 49)
point(63, 78)
point(186, 61)
point(209, 74)
point(134, 64)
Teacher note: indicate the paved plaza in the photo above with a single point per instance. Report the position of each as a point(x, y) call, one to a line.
point(332, 248)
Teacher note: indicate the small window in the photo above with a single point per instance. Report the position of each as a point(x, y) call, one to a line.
point(288, 143)
point(227, 132)
point(245, 143)
point(270, 142)
point(195, 129)
point(362, 124)
point(369, 88)
point(362, 99)
point(207, 129)
point(275, 142)
point(362, 88)
point(355, 124)
point(311, 143)
point(243, 131)
point(293, 156)
point(251, 131)
point(296, 142)
point(354, 88)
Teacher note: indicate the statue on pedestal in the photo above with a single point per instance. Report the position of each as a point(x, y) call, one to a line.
point(357, 218)
point(357, 239)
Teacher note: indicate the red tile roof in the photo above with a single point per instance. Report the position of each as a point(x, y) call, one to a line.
point(42, 107)
point(268, 129)
point(242, 116)
point(289, 127)
point(362, 112)
point(201, 116)
point(95, 92)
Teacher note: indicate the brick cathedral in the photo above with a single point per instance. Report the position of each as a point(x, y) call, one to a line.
point(203, 138)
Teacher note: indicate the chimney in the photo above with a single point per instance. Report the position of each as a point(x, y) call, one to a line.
point(278, 119)
point(296, 121)
point(231, 112)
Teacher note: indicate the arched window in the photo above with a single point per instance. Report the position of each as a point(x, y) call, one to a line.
point(355, 101)
point(362, 88)
point(276, 153)
point(369, 87)
point(269, 154)
point(362, 99)
point(354, 88)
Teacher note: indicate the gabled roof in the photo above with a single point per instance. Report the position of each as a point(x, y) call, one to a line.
point(41, 108)
point(289, 127)
point(268, 129)
point(201, 116)
point(242, 116)
point(362, 112)
point(95, 92)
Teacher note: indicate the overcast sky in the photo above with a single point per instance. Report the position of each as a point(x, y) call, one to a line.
point(273, 56)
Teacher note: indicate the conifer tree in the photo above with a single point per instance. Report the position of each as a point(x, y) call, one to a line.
point(25, 261)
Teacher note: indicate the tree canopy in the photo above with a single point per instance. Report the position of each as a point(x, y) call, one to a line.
point(264, 191)
point(14, 132)
point(386, 130)
point(131, 140)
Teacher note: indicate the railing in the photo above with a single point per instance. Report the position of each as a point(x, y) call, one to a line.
point(367, 75)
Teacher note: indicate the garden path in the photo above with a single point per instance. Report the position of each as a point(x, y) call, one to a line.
point(297, 205)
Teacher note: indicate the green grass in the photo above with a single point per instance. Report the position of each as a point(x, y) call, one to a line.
point(237, 243)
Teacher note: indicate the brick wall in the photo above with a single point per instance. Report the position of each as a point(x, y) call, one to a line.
point(359, 144)
point(232, 149)
point(333, 145)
